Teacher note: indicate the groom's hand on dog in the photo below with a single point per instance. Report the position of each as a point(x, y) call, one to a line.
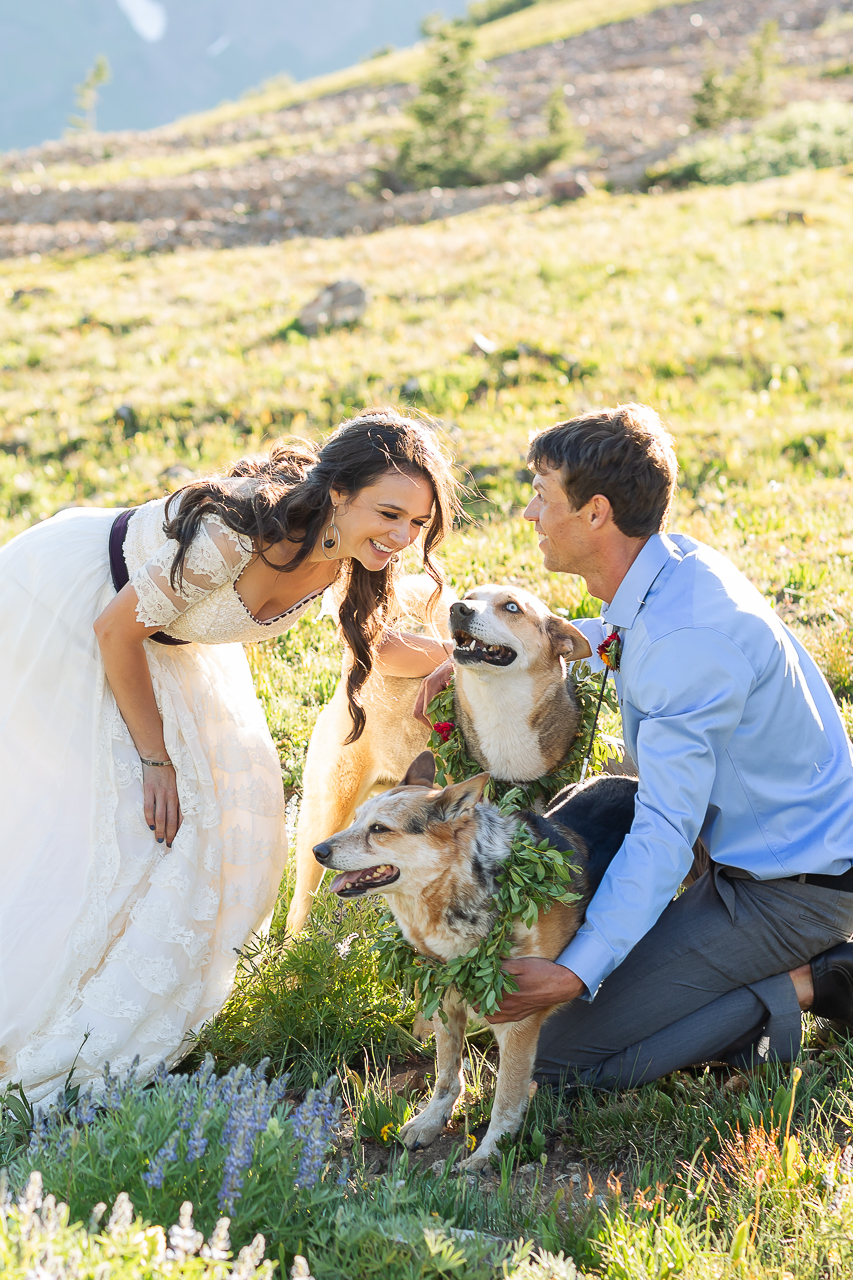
point(541, 985)
point(432, 684)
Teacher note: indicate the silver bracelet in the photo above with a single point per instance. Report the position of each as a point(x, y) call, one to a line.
point(157, 764)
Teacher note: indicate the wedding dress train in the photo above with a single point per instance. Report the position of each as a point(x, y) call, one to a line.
point(112, 946)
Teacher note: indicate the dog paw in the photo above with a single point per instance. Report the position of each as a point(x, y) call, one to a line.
point(475, 1163)
point(422, 1130)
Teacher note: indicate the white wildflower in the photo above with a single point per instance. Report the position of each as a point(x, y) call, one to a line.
point(183, 1238)
point(218, 1247)
point(248, 1260)
point(121, 1217)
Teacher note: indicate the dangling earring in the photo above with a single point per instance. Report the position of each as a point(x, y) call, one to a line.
point(332, 538)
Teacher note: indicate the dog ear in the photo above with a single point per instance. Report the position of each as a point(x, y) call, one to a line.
point(460, 797)
point(567, 640)
point(421, 772)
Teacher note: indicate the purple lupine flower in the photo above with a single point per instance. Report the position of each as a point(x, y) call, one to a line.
point(111, 1094)
point(313, 1124)
point(239, 1159)
point(197, 1142)
point(86, 1109)
point(156, 1171)
point(40, 1134)
point(63, 1143)
point(251, 1102)
point(185, 1115)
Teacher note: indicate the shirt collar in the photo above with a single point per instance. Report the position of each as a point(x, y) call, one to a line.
point(638, 581)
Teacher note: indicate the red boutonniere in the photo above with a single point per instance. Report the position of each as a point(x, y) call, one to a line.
point(610, 651)
point(444, 728)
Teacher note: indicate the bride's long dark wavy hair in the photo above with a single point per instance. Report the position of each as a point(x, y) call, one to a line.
point(287, 497)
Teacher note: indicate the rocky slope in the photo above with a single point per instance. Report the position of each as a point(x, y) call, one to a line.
point(308, 170)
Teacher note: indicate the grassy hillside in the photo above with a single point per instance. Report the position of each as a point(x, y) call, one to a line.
point(122, 376)
point(545, 21)
point(727, 309)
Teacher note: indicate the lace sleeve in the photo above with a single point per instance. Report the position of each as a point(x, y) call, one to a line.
point(216, 555)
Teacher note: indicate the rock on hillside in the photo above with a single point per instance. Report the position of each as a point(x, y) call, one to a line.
point(307, 170)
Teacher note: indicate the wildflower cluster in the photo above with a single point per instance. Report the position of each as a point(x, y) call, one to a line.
point(454, 764)
point(250, 1100)
point(231, 1145)
point(37, 1241)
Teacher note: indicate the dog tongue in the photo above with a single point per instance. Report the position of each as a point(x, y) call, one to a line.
point(344, 880)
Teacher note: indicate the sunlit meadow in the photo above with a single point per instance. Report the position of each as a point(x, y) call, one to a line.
point(123, 375)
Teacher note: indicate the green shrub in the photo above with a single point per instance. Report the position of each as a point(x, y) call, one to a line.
point(805, 135)
point(459, 137)
point(288, 1000)
point(747, 92)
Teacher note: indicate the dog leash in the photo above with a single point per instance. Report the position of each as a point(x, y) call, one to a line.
point(588, 755)
point(610, 653)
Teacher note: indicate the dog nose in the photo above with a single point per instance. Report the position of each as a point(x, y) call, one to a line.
point(464, 609)
point(323, 852)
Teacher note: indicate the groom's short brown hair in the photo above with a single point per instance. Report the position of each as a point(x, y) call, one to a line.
point(625, 453)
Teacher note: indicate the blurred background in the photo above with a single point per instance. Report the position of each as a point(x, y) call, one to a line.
point(169, 57)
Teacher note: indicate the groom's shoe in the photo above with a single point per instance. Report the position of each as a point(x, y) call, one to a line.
point(832, 976)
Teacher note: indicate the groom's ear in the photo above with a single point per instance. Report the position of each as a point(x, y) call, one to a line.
point(566, 640)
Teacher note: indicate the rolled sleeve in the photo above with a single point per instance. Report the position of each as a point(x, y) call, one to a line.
point(689, 692)
point(595, 631)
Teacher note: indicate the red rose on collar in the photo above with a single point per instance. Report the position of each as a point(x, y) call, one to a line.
point(444, 728)
point(610, 651)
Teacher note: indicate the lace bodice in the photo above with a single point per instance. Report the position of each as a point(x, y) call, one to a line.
point(207, 608)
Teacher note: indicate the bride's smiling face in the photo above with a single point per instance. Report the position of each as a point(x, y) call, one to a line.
point(382, 519)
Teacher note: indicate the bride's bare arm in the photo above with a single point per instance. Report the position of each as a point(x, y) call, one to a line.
point(120, 638)
point(410, 655)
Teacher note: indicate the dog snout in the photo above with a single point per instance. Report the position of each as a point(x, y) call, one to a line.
point(323, 852)
point(461, 612)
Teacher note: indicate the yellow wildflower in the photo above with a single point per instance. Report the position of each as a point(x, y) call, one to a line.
point(386, 1131)
point(470, 1142)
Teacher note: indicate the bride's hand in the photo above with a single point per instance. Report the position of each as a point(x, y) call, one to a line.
point(434, 683)
point(162, 807)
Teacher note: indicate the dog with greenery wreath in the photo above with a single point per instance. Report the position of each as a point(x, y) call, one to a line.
point(474, 874)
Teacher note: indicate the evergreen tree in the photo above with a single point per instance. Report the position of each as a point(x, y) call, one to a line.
point(747, 93)
point(460, 137)
point(86, 95)
point(455, 125)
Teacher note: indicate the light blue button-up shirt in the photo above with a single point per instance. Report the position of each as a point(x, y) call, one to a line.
point(736, 735)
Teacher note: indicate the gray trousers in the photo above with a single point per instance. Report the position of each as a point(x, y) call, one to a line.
point(709, 981)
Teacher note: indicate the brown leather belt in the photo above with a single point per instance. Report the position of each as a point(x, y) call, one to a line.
point(844, 882)
point(118, 568)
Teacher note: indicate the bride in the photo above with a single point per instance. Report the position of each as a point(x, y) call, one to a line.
point(144, 805)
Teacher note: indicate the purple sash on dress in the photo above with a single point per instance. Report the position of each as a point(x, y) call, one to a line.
point(118, 568)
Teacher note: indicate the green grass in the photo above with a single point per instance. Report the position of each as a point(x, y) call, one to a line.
point(736, 325)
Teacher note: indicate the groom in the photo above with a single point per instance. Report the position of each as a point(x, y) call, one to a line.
point(737, 739)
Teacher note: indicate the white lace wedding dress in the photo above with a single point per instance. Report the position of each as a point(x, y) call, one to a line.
point(102, 930)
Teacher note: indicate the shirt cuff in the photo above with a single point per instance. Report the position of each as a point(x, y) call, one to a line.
point(587, 957)
point(594, 630)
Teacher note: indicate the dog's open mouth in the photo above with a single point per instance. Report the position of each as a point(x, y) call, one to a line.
point(351, 884)
point(470, 649)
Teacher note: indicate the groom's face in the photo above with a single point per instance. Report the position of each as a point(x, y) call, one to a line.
point(563, 532)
